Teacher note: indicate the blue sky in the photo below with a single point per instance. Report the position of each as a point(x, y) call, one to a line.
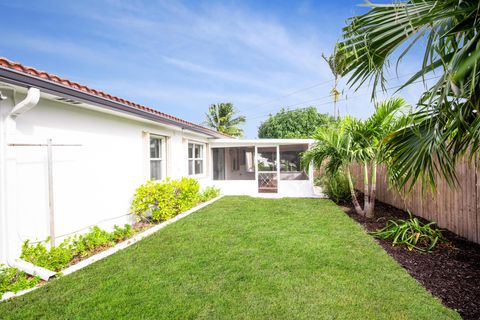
point(179, 57)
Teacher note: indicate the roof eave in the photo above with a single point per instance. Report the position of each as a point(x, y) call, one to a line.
point(25, 80)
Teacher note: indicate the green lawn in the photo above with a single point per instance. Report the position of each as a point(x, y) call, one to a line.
point(242, 258)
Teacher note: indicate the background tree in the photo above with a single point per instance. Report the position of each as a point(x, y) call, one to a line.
point(446, 124)
point(221, 117)
point(298, 123)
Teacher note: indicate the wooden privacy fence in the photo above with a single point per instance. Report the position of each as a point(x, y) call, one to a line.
point(456, 209)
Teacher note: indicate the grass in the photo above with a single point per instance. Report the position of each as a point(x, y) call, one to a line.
point(242, 258)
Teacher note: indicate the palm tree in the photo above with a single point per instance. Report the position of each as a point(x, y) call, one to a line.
point(220, 117)
point(334, 148)
point(341, 144)
point(334, 62)
point(446, 124)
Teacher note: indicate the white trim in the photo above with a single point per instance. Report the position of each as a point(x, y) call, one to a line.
point(203, 159)
point(218, 143)
point(120, 246)
point(163, 156)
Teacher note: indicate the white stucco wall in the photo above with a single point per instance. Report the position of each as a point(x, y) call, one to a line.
point(94, 182)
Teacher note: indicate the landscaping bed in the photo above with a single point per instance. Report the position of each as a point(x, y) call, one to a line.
point(154, 203)
point(451, 271)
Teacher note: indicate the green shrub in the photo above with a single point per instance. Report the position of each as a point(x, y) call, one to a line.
point(156, 200)
point(410, 232)
point(12, 279)
point(55, 258)
point(160, 201)
point(187, 193)
point(96, 237)
point(209, 193)
point(120, 234)
point(336, 187)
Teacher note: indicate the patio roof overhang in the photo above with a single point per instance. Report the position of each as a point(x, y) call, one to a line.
point(222, 143)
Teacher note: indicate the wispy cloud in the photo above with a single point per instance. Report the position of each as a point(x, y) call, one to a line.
point(182, 56)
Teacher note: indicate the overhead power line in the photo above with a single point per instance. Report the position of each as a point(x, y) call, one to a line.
point(308, 88)
point(331, 102)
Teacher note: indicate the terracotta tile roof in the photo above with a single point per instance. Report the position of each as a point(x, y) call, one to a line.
point(4, 62)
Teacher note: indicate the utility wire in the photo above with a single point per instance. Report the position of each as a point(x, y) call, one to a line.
point(331, 102)
point(310, 87)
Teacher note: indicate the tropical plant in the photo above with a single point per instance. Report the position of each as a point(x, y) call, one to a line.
point(221, 117)
point(335, 186)
point(351, 140)
point(335, 63)
point(446, 124)
point(334, 151)
point(410, 232)
point(297, 123)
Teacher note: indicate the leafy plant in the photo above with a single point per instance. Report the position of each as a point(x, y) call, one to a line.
point(120, 234)
point(12, 279)
point(160, 201)
point(335, 186)
point(55, 258)
point(96, 237)
point(209, 193)
point(187, 193)
point(410, 232)
point(155, 200)
point(446, 122)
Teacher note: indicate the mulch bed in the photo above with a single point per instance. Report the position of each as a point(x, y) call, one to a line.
point(450, 272)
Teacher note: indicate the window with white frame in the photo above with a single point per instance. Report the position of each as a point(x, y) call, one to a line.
point(157, 154)
point(195, 158)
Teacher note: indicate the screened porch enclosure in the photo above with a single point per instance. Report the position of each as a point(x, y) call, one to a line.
point(266, 166)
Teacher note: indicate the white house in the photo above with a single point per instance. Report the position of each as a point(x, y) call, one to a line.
point(71, 157)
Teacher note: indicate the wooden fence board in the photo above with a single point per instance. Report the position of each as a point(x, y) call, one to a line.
point(455, 209)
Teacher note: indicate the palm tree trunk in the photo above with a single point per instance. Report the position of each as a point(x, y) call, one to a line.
point(366, 193)
point(358, 209)
point(373, 190)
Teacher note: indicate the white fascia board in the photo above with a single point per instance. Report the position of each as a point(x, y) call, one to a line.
point(218, 143)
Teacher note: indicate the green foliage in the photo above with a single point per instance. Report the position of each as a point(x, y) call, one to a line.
point(298, 123)
point(187, 193)
point(220, 117)
point(120, 234)
point(446, 123)
point(156, 200)
point(59, 257)
point(12, 279)
point(55, 258)
point(162, 200)
point(96, 237)
point(410, 232)
point(336, 186)
point(209, 193)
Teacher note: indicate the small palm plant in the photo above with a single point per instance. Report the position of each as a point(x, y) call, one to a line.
point(340, 145)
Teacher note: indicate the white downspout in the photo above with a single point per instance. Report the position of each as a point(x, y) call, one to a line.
point(30, 101)
point(8, 124)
